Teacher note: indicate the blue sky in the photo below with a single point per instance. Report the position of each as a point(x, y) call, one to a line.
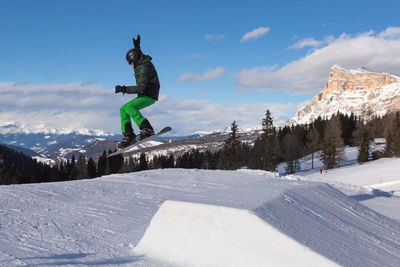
point(217, 61)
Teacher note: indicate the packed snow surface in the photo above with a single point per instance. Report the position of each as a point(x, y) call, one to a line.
point(245, 239)
point(101, 221)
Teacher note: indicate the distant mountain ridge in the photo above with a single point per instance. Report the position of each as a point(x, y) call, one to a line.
point(361, 92)
point(18, 128)
point(48, 142)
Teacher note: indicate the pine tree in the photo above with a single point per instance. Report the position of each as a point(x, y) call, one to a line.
point(183, 161)
point(256, 159)
point(291, 151)
point(396, 143)
point(397, 120)
point(313, 143)
point(63, 172)
point(266, 151)
point(102, 164)
point(155, 163)
point(271, 152)
point(320, 125)
point(82, 167)
point(197, 159)
point(72, 169)
point(332, 146)
point(131, 164)
point(363, 151)
point(143, 165)
point(193, 159)
point(128, 165)
point(212, 159)
point(348, 126)
point(170, 163)
point(267, 122)
point(389, 148)
point(391, 127)
point(115, 163)
point(91, 168)
point(231, 153)
point(246, 150)
point(361, 131)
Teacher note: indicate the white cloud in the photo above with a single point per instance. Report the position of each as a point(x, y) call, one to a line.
point(255, 34)
point(76, 106)
point(390, 33)
point(311, 42)
point(208, 75)
point(189, 116)
point(378, 52)
point(215, 37)
point(306, 42)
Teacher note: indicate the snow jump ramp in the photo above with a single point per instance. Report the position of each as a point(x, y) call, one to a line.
point(190, 234)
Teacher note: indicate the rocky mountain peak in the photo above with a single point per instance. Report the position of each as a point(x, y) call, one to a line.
point(340, 80)
point(359, 91)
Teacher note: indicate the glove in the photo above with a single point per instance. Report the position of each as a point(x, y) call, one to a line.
point(136, 43)
point(120, 89)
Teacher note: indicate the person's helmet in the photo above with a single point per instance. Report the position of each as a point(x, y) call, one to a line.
point(133, 55)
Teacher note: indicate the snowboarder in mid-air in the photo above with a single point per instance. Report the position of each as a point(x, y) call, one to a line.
point(147, 89)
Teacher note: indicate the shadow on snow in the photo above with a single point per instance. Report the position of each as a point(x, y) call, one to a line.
point(73, 259)
point(375, 193)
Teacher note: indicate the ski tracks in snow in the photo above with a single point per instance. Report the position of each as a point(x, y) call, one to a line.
point(98, 221)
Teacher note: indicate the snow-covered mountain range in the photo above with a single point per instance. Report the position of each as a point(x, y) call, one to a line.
point(362, 92)
point(13, 127)
point(49, 142)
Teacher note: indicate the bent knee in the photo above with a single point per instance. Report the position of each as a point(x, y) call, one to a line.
point(122, 110)
point(127, 107)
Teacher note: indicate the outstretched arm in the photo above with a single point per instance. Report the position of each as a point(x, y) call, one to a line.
point(134, 89)
point(142, 79)
point(127, 89)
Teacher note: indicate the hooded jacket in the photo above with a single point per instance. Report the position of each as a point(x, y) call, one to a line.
point(147, 82)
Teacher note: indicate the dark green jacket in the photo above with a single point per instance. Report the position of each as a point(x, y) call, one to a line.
point(147, 82)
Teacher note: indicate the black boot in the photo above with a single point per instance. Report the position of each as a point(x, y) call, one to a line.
point(145, 130)
point(130, 137)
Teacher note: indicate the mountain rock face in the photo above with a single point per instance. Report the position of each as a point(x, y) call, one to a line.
point(360, 91)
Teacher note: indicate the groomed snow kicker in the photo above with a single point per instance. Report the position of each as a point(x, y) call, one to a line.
point(334, 225)
point(189, 234)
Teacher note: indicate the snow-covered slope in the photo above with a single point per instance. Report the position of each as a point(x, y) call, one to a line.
point(360, 92)
point(377, 182)
point(246, 239)
point(100, 221)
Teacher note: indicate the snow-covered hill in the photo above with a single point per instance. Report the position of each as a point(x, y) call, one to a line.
point(361, 92)
point(101, 221)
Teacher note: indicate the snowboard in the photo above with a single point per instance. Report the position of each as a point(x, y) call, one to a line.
point(123, 150)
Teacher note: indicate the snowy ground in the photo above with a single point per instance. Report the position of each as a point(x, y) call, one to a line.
point(373, 184)
point(351, 218)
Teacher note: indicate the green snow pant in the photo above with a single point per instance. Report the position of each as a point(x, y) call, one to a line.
point(131, 110)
